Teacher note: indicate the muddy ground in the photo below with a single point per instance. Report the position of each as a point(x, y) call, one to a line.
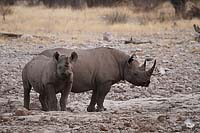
point(170, 104)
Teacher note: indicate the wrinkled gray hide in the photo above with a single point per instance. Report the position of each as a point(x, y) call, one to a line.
point(49, 76)
point(98, 69)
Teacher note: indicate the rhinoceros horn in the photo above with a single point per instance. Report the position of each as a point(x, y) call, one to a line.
point(150, 71)
point(196, 28)
point(143, 66)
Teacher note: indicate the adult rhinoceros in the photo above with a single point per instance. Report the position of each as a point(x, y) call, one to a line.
point(99, 68)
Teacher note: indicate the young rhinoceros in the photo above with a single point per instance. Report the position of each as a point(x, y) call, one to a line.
point(49, 76)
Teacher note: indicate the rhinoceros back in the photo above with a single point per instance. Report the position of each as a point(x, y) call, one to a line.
point(93, 67)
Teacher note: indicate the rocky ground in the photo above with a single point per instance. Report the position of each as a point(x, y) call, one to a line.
point(170, 104)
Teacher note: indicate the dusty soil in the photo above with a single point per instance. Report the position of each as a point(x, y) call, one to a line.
point(170, 104)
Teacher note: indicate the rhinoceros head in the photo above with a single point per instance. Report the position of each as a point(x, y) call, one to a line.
point(64, 66)
point(137, 75)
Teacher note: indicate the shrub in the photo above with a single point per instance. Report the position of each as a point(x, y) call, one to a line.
point(117, 16)
point(78, 4)
point(5, 10)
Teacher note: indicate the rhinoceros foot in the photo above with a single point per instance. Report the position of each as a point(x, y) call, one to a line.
point(44, 109)
point(100, 109)
point(91, 109)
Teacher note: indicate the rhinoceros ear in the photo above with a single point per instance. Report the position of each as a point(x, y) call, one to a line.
point(73, 57)
point(56, 55)
point(133, 56)
point(130, 60)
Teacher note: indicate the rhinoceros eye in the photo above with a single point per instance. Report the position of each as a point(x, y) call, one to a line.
point(59, 67)
point(135, 74)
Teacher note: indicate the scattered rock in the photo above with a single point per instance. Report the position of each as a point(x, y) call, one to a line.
point(103, 127)
point(120, 126)
point(189, 123)
point(119, 90)
point(21, 111)
point(165, 61)
point(26, 36)
point(188, 89)
point(161, 70)
point(107, 36)
point(162, 118)
point(76, 127)
point(53, 119)
point(40, 47)
point(179, 88)
point(127, 124)
point(4, 119)
point(116, 131)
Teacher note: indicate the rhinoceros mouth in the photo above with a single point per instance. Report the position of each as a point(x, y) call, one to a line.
point(64, 76)
point(145, 84)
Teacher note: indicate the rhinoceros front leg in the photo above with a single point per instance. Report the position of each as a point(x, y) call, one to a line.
point(91, 107)
point(102, 91)
point(64, 96)
point(52, 100)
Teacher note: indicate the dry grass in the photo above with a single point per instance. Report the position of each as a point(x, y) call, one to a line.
point(4, 11)
point(118, 16)
point(81, 23)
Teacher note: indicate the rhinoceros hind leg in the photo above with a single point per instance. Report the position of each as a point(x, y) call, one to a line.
point(91, 107)
point(27, 88)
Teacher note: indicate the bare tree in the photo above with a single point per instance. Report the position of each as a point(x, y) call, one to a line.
point(180, 7)
point(193, 12)
point(7, 2)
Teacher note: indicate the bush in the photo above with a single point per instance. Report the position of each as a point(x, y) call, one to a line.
point(117, 16)
point(78, 4)
point(5, 10)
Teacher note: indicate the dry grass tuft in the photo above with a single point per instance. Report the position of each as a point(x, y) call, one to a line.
point(118, 16)
point(195, 50)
